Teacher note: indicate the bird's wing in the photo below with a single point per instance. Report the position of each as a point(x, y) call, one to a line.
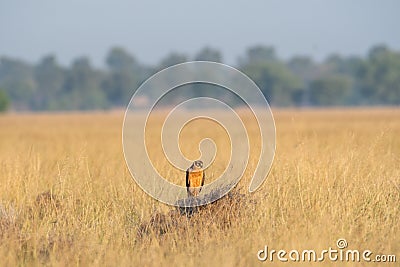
point(187, 178)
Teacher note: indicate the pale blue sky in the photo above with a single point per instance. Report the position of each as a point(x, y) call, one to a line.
point(152, 29)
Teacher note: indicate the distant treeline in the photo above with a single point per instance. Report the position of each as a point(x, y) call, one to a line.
point(299, 81)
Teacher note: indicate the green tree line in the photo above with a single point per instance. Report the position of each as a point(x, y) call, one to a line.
point(299, 81)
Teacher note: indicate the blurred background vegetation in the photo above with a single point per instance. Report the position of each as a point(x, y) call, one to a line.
point(299, 81)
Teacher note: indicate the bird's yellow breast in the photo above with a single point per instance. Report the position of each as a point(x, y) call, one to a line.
point(195, 178)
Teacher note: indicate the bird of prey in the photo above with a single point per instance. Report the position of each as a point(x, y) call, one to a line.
point(195, 178)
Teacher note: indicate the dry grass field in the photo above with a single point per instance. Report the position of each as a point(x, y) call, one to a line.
point(67, 198)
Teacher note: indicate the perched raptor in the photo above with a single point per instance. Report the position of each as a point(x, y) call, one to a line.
point(195, 178)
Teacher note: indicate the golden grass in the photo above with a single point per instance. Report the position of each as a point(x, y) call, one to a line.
point(67, 197)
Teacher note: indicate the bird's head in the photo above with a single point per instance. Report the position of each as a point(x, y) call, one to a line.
point(198, 164)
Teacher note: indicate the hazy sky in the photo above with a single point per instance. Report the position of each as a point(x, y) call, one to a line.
point(152, 29)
